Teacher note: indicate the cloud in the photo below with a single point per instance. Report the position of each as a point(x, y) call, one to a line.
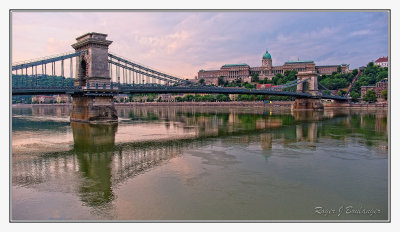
point(361, 32)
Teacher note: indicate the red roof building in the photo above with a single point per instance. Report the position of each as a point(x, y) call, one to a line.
point(382, 62)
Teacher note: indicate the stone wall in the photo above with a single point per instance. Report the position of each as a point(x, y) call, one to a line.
point(93, 108)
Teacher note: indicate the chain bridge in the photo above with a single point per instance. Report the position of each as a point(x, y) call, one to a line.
point(93, 75)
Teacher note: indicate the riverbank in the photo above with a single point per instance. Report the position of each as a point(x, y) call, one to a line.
point(281, 104)
point(284, 104)
point(272, 104)
point(378, 105)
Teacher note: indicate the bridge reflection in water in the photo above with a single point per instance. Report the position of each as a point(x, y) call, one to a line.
point(97, 164)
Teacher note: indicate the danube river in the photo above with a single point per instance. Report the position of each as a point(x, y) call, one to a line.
point(199, 163)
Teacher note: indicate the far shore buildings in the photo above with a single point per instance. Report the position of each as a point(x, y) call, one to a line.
point(378, 87)
point(244, 72)
point(43, 99)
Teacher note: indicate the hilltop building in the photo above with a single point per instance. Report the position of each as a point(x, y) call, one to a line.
point(244, 72)
point(382, 62)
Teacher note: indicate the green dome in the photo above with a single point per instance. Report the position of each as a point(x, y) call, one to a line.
point(267, 55)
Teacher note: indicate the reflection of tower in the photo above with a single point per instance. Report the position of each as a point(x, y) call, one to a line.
point(94, 145)
point(299, 132)
point(307, 115)
point(312, 132)
point(266, 141)
point(93, 137)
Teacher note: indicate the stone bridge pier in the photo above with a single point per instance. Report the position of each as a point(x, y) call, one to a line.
point(309, 86)
point(95, 104)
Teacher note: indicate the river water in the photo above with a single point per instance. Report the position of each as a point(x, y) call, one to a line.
point(199, 163)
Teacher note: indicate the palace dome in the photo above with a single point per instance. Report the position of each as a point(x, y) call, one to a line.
point(267, 55)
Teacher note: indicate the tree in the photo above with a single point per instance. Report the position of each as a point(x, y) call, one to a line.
point(370, 96)
point(261, 97)
point(201, 81)
point(208, 98)
point(222, 97)
point(188, 97)
point(384, 94)
point(341, 92)
point(354, 95)
point(221, 80)
point(326, 92)
point(248, 86)
point(255, 78)
point(243, 97)
point(197, 98)
point(339, 69)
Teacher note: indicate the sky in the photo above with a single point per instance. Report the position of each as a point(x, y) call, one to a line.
point(181, 43)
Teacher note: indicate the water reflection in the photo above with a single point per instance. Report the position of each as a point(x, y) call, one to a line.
point(93, 138)
point(96, 164)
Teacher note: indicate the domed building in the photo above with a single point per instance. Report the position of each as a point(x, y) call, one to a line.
point(267, 60)
point(243, 72)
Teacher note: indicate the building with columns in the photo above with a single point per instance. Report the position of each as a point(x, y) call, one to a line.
point(243, 72)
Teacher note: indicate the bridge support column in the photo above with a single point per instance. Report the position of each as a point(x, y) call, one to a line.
point(307, 104)
point(93, 109)
point(95, 103)
point(309, 85)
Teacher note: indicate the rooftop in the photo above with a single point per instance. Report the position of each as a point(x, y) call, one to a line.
point(267, 55)
point(382, 59)
point(233, 65)
point(92, 34)
point(299, 61)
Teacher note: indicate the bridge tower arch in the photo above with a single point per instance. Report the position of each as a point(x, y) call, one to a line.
point(83, 72)
point(309, 85)
point(95, 102)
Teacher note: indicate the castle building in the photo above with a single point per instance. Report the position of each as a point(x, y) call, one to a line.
point(244, 72)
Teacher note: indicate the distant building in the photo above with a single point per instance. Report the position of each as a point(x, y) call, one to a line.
point(243, 72)
point(62, 98)
point(121, 98)
point(381, 85)
point(382, 62)
point(42, 99)
point(378, 87)
point(166, 97)
point(365, 88)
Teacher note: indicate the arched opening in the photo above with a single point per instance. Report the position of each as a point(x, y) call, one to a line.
point(83, 72)
point(306, 86)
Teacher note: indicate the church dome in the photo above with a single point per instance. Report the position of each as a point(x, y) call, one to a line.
point(267, 55)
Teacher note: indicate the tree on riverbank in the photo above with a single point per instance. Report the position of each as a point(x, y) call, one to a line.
point(384, 94)
point(370, 96)
point(371, 75)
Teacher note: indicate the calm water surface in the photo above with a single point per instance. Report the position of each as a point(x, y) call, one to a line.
point(171, 163)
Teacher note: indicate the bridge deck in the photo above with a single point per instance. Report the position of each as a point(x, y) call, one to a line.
point(165, 90)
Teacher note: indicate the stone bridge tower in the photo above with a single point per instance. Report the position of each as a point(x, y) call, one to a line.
point(309, 86)
point(95, 103)
point(92, 67)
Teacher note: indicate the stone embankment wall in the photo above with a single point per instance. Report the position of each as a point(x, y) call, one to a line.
point(357, 105)
point(216, 104)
